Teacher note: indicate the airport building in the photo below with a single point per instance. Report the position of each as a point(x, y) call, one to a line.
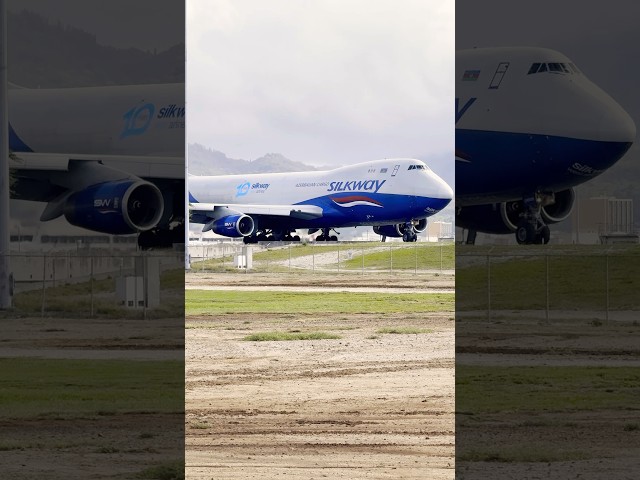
point(603, 220)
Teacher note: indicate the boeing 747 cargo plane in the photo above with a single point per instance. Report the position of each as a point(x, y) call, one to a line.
point(530, 126)
point(110, 159)
point(395, 196)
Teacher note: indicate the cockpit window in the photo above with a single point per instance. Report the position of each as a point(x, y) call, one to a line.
point(553, 67)
point(418, 167)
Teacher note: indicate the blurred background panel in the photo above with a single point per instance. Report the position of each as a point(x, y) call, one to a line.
point(547, 239)
point(93, 334)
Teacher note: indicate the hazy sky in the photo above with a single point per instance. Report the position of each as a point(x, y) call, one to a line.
point(143, 24)
point(602, 39)
point(322, 82)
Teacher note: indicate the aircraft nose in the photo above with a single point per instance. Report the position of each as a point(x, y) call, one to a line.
point(616, 125)
point(440, 188)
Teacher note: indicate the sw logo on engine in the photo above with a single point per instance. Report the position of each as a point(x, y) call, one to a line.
point(102, 202)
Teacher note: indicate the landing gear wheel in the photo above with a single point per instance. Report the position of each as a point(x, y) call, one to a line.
point(545, 234)
point(409, 236)
point(525, 234)
point(326, 237)
point(160, 238)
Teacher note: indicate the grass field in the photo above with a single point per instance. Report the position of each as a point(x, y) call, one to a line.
point(573, 278)
point(389, 256)
point(68, 388)
point(420, 256)
point(77, 299)
point(289, 336)
point(544, 389)
point(207, 302)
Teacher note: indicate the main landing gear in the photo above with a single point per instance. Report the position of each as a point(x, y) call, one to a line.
point(326, 237)
point(531, 229)
point(271, 236)
point(157, 238)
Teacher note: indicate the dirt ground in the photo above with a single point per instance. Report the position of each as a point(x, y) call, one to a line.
point(570, 443)
point(367, 405)
point(89, 445)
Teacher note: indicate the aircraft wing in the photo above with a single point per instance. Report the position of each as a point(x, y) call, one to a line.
point(141, 166)
point(214, 211)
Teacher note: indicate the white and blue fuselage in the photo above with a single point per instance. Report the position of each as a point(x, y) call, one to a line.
point(381, 192)
point(527, 119)
point(530, 126)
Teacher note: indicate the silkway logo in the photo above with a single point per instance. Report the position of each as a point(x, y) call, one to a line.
point(171, 111)
point(356, 186)
point(243, 188)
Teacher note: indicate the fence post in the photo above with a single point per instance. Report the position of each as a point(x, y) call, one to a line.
point(488, 287)
point(546, 283)
point(607, 285)
point(441, 258)
point(415, 251)
point(362, 252)
point(145, 283)
point(289, 258)
point(313, 257)
point(44, 281)
point(338, 257)
point(390, 258)
point(91, 283)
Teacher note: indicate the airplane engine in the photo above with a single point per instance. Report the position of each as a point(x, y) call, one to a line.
point(234, 226)
point(499, 218)
point(421, 226)
point(389, 230)
point(561, 208)
point(116, 208)
point(490, 218)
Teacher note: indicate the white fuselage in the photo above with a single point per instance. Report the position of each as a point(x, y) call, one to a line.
point(527, 119)
point(115, 120)
point(378, 192)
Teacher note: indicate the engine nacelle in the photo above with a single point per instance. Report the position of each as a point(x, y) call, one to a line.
point(239, 225)
point(420, 226)
point(504, 217)
point(389, 230)
point(116, 208)
point(561, 208)
point(483, 218)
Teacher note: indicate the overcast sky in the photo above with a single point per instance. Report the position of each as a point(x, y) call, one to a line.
point(328, 82)
point(602, 38)
point(143, 24)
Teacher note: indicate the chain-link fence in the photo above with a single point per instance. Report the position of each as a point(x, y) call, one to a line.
point(562, 286)
point(335, 257)
point(97, 284)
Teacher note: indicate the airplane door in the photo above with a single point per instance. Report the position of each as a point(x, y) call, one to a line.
point(499, 75)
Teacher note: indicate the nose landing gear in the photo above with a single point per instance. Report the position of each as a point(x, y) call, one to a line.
point(409, 234)
point(531, 229)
